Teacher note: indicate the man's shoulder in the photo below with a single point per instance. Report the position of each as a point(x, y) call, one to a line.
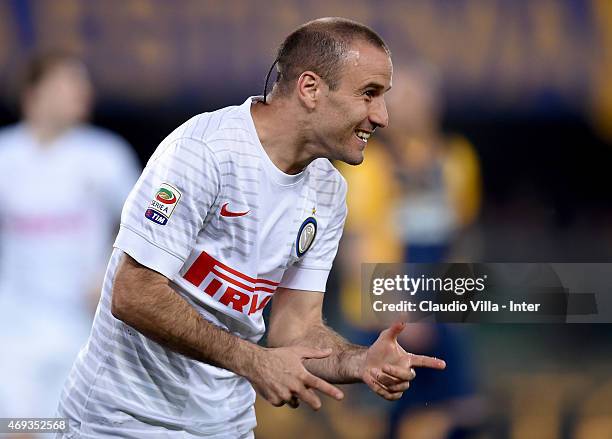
point(223, 133)
point(209, 127)
point(322, 168)
point(326, 178)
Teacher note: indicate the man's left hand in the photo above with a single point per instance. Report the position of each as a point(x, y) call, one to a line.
point(388, 368)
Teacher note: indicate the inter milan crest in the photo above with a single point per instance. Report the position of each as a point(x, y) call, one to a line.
point(306, 236)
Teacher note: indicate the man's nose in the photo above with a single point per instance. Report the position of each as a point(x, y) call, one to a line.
point(378, 114)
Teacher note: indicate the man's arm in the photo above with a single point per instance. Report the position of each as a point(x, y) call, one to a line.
point(296, 319)
point(144, 299)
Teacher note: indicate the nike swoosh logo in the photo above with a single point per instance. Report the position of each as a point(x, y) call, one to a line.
point(226, 212)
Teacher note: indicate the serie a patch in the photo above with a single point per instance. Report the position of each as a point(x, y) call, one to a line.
point(163, 204)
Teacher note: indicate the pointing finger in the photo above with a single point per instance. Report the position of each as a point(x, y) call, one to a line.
point(425, 361)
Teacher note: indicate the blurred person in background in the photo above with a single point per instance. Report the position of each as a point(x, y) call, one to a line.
point(64, 183)
point(417, 192)
point(439, 174)
point(439, 196)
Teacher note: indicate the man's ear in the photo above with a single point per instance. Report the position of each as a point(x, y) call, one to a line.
point(309, 89)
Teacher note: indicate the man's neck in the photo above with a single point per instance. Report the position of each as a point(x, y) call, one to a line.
point(280, 134)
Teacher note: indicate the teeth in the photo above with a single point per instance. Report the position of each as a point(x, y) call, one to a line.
point(363, 135)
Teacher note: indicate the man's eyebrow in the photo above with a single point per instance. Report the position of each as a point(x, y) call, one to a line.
point(376, 86)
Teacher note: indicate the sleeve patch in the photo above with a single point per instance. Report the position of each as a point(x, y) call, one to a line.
point(163, 204)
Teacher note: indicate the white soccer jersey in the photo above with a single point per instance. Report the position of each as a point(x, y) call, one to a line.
point(212, 213)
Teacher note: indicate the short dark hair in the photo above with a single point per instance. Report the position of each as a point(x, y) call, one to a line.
point(321, 46)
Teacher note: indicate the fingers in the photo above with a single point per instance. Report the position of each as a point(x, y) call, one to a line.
point(381, 390)
point(323, 386)
point(306, 393)
point(385, 379)
point(277, 401)
point(425, 361)
point(294, 402)
point(393, 383)
point(291, 400)
point(304, 390)
point(310, 398)
point(295, 383)
point(400, 387)
point(401, 373)
point(394, 330)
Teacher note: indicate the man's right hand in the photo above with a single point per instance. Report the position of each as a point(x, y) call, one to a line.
point(279, 376)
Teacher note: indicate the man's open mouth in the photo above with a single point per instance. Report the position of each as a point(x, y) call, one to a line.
point(363, 135)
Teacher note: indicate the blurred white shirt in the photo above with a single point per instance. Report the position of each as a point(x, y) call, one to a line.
point(59, 205)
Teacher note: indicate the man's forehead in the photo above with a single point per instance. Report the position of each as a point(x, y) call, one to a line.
point(362, 52)
point(368, 61)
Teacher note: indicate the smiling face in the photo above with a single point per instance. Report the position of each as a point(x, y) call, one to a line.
point(347, 116)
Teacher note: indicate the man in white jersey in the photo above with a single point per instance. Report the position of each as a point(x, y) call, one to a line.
point(235, 208)
point(64, 183)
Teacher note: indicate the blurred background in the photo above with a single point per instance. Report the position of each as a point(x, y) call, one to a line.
point(499, 149)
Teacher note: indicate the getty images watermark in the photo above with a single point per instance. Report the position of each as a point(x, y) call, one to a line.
point(488, 293)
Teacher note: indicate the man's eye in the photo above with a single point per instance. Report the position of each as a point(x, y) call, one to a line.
point(369, 93)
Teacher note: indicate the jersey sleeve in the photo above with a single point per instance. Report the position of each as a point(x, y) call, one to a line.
point(310, 272)
point(168, 205)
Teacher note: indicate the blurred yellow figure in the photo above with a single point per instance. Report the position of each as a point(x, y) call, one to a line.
point(439, 174)
point(370, 198)
point(417, 189)
point(370, 232)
